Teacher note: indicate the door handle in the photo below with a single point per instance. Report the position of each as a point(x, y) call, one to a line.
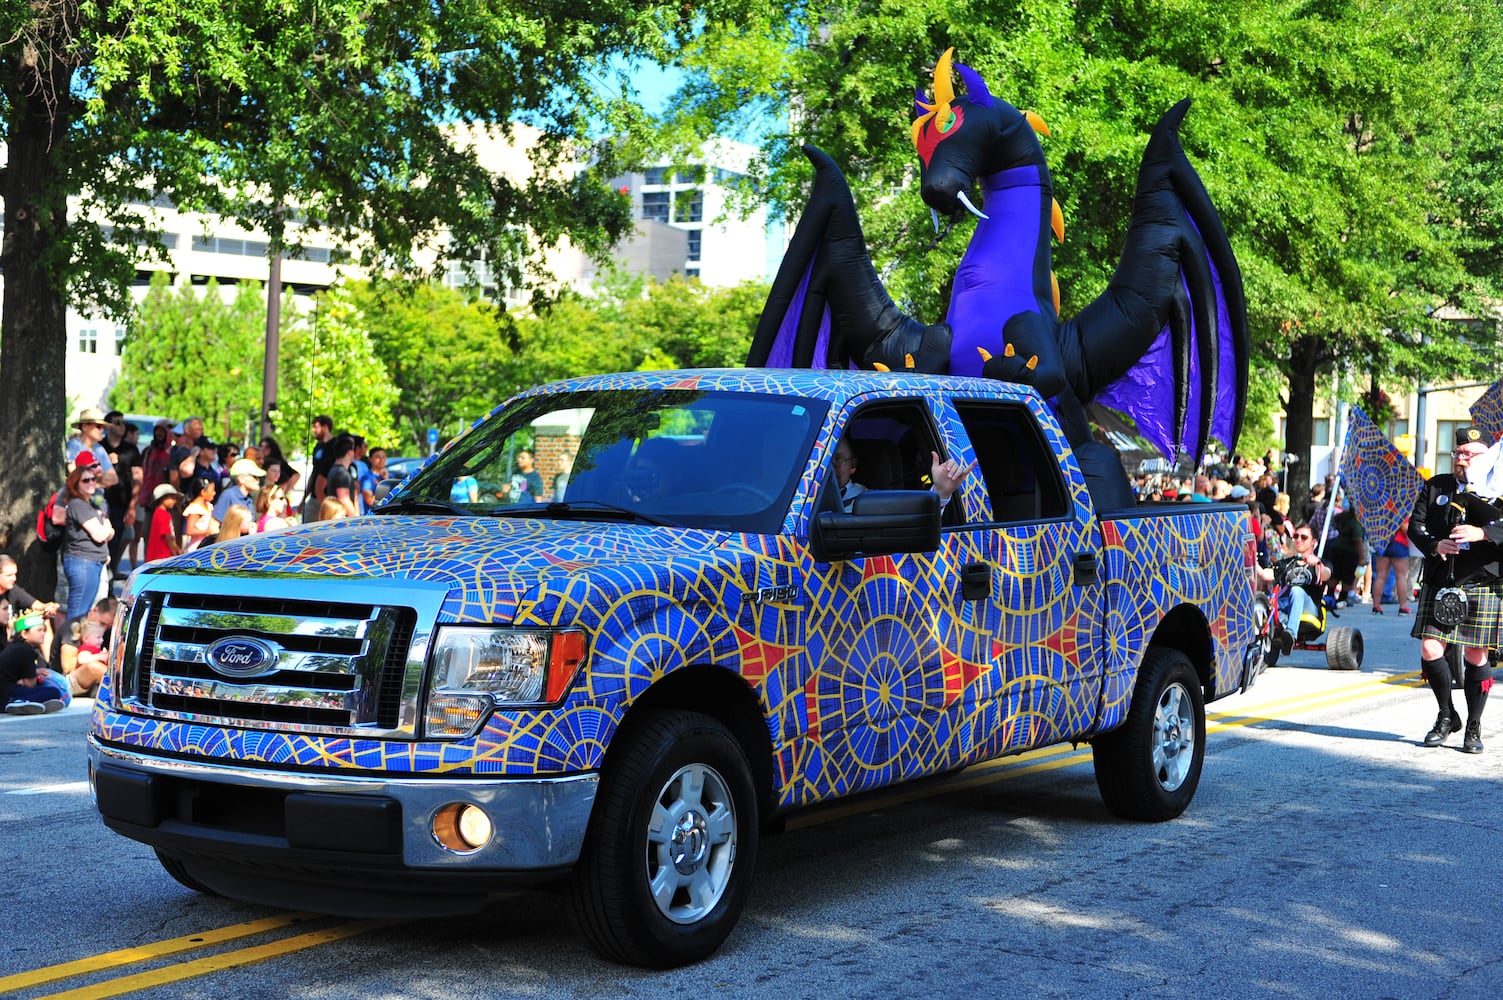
point(1085, 568)
point(975, 581)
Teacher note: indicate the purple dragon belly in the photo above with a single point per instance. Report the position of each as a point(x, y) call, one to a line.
point(1005, 270)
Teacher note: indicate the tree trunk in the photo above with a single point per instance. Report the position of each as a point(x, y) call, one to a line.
point(33, 349)
point(1299, 418)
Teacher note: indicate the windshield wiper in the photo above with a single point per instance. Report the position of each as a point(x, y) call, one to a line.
point(406, 506)
point(562, 508)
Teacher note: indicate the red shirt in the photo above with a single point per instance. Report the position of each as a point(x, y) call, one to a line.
point(162, 528)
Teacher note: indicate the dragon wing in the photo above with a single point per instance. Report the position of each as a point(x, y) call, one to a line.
point(828, 308)
point(1173, 313)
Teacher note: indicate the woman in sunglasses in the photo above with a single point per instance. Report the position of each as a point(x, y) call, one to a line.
point(86, 537)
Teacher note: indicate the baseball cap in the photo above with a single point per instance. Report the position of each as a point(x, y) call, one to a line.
point(25, 623)
point(164, 490)
point(1239, 493)
point(246, 467)
point(85, 458)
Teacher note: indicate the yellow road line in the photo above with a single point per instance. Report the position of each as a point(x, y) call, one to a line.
point(129, 956)
point(1065, 754)
point(217, 963)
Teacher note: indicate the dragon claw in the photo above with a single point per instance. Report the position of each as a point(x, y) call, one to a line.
point(908, 361)
point(1036, 123)
point(985, 354)
point(880, 367)
point(1032, 363)
point(1008, 352)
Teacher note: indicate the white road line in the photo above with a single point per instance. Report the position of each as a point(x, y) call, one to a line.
point(67, 786)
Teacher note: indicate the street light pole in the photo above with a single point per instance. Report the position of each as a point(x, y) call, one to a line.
point(273, 342)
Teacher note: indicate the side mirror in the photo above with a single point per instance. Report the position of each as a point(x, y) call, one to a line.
point(881, 522)
point(384, 487)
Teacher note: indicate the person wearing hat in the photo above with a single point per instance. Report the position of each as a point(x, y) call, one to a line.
point(1459, 535)
point(90, 437)
point(162, 537)
point(246, 476)
point(26, 687)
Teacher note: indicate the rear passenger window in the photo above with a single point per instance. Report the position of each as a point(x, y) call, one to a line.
point(1022, 476)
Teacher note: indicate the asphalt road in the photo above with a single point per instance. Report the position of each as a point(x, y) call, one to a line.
point(1327, 854)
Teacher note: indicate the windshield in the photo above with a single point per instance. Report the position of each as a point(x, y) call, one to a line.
point(718, 460)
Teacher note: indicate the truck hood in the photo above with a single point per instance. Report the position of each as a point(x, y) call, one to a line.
point(488, 564)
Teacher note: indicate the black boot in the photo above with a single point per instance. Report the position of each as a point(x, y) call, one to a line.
point(1446, 723)
point(1438, 676)
point(1479, 679)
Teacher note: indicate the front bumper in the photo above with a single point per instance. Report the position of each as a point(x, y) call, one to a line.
point(259, 834)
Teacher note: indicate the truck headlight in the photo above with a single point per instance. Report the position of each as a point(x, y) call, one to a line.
point(477, 668)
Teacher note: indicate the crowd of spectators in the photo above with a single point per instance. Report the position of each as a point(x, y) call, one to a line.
point(123, 505)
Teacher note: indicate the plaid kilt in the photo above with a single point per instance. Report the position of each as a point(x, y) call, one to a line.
point(1483, 627)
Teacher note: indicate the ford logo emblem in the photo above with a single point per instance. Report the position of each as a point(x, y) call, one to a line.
point(241, 657)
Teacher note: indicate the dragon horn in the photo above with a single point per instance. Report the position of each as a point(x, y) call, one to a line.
point(944, 86)
point(1036, 122)
point(975, 87)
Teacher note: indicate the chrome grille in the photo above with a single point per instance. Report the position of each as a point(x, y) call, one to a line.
point(334, 667)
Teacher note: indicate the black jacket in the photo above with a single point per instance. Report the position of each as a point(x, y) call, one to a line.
point(1434, 516)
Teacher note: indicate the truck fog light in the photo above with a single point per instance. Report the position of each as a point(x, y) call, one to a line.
point(462, 827)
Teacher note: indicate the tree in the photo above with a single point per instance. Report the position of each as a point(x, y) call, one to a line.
point(636, 324)
point(444, 352)
point(332, 369)
point(291, 117)
point(194, 351)
point(1328, 133)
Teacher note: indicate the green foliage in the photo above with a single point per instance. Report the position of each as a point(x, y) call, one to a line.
point(635, 325)
point(1331, 135)
point(195, 352)
point(445, 353)
point(330, 366)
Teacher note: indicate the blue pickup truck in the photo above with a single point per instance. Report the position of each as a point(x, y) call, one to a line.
point(678, 638)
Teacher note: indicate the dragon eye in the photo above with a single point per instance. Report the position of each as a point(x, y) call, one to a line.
point(949, 123)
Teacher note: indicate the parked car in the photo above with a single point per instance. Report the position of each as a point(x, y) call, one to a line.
point(144, 423)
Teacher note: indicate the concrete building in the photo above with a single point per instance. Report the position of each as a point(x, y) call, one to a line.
point(684, 225)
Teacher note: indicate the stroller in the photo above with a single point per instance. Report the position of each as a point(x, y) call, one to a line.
point(1280, 636)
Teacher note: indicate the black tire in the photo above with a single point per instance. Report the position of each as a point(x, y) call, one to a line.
point(1148, 768)
point(716, 824)
point(1344, 648)
point(179, 872)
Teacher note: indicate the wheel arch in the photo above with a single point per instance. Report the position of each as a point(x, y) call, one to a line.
point(725, 697)
point(1185, 628)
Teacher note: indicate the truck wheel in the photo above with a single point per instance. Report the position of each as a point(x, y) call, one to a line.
point(179, 872)
point(1344, 648)
point(667, 863)
point(1148, 767)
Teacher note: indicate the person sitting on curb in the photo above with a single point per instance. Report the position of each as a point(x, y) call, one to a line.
point(26, 686)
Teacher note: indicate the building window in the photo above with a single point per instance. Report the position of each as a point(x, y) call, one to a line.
point(1445, 437)
point(690, 206)
point(694, 243)
point(1321, 436)
point(120, 337)
point(88, 341)
point(654, 175)
point(655, 205)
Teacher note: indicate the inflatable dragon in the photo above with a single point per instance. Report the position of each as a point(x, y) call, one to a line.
point(1172, 317)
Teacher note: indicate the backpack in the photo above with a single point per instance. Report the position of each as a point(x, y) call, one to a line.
point(48, 534)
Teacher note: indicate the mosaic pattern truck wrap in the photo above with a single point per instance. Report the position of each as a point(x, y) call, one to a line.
point(868, 671)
